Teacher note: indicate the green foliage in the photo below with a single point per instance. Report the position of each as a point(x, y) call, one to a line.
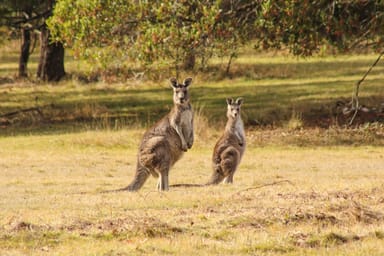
point(177, 29)
point(186, 34)
point(304, 26)
point(160, 33)
point(95, 29)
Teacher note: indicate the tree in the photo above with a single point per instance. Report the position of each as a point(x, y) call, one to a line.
point(28, 16)
point(304, 26)
point(182, 32)
point(186, 34)
point(235, 26)
point(176, 33)
point(102, 31)
point(51, 62)
point(18, 15)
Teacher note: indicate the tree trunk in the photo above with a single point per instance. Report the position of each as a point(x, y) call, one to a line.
point(51, 62)
point(190, 60)
point(24, 54)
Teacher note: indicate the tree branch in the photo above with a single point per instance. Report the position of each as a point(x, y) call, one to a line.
point(13, 113)
point(355, 97)
point(265, 185)
point(17, 21)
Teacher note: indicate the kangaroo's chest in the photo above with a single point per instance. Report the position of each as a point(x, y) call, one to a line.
point(186, 118)
point(239, 130)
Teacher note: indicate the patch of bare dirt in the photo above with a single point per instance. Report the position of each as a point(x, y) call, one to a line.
point(148, 227)
point(19, 226)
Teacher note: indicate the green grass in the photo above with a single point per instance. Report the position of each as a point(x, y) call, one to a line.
point(275, 89)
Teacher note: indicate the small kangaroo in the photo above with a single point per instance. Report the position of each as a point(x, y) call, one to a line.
point(230, 147)
point(165, 142)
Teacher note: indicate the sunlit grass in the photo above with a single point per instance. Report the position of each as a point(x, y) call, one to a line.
point(286, 199)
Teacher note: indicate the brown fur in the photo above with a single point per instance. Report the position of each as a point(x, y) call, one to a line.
point(230, 147)
point(165, 142)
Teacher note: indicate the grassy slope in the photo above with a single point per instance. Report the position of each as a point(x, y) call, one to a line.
point(310, 191)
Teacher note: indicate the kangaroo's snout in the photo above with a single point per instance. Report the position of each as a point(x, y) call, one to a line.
point(181, 96)
point(233, 112)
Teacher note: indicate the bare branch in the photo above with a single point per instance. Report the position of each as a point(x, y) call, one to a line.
point(13, 113)
point(355, 97)
point(265, 185)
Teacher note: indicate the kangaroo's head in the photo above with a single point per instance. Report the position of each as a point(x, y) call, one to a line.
point(234, 107)
point(180, 91)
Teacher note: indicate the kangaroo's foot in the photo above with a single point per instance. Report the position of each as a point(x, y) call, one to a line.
point(228, 179)
point(184, 147)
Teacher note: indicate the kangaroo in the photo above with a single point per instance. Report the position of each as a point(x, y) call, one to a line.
point(230, 147)
point(165, 142)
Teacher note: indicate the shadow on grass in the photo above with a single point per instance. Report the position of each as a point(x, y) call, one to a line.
point(299, 69)
point(90, 108)
point(272, 92)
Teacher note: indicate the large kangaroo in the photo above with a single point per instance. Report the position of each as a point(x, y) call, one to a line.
point(164, 143)
point(230, 147)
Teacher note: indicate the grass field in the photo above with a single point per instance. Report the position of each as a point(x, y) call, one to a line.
point(300, 189)
point(286, 200)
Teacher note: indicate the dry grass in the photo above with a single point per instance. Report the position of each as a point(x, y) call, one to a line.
point(286, 200)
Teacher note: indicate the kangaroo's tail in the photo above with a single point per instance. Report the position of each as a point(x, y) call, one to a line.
point(138, 181)
point(140, 178)
point(216, 177)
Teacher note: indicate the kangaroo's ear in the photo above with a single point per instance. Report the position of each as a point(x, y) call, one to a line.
point(239, 101)
point(173, 81)
point(187, 81)
point(229, 101)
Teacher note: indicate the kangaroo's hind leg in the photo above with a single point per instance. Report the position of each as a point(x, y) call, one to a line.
point(162, 169)
point(163, 183)
point(230, 160)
